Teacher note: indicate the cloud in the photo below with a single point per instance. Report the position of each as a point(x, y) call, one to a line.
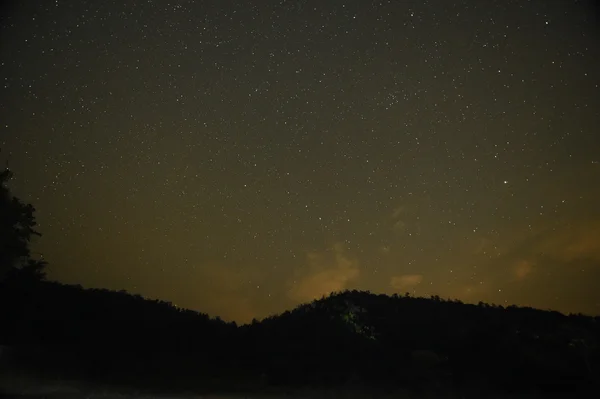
point(567, 243)
point(522, 269)
point(327, 271)
point(397, 212)
point(474, 292)
point(484, 246)
point(227, 294)
point(412, 216)
point(398, 225)
point(214, 289)
point(385, 249)
point(554, 268)
point(572, 242)
point(406, 281)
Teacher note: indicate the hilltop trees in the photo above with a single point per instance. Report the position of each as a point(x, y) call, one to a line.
point(17, 223)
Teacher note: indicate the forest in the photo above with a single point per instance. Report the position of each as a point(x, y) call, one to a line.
point(350, 340)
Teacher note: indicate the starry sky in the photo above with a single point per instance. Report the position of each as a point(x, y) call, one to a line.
point(242, 157)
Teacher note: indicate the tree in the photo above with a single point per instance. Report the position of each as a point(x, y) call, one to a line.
point(17, 223)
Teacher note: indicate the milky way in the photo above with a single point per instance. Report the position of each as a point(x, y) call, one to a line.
point(239, 158)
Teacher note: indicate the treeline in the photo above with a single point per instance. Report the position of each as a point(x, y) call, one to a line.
point(351, 338)
point(356, 339)
point(105, 336)
point(373, 337)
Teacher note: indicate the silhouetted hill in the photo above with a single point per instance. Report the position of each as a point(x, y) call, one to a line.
point(375, 337)
point(70, 314)
point(107, 336)
point(351, 338)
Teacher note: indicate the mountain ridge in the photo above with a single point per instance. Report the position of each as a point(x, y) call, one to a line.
point(349, 337)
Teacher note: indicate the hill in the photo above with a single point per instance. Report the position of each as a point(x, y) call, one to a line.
point(352, 338)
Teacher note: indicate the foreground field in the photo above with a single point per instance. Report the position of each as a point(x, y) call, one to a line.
point(75, 390)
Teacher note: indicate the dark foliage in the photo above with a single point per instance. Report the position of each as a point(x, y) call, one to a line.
point(355, 338)
point(106, 336)
point(17, 223)
point(349, 339)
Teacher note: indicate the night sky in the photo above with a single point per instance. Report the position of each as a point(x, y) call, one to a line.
point(239, 158)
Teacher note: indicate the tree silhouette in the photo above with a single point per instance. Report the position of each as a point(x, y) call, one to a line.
point(17, 222)
point(353, 339)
